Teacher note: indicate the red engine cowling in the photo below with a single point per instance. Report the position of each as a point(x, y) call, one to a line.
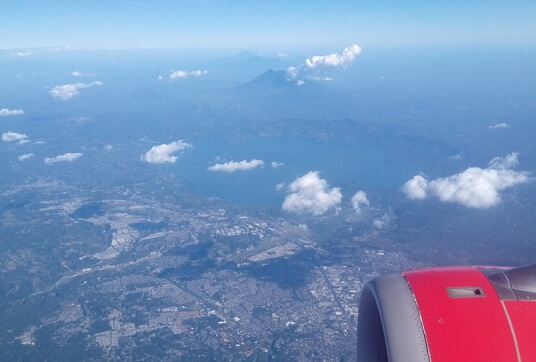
point(449, 314)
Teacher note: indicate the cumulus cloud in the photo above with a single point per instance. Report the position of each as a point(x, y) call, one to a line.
point(277, 164)
point(318, 63)
point(10, 112)
point(358, 200)
point(499, 125)
point(108, 147)
point(66, 157)
point(164, 153)
point(475, 187)
point(13, 136)
point(504, 163)
point(233, 166)
point(311, 194)
point(23, 54)
point(335, 59)
point(183, 74)
point(25, 157)
point(68, 91)
point(293, 72)
point(415, 188)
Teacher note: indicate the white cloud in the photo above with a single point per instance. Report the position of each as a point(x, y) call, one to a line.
point(499, 125)
point(164, 153)
point(108, 147)
point(318, 63)
point(358, 200)
point(293, 72)
point(13, 136)
point(233, 166)
point(415, 188)
point(311, 194)
point(280, 186)
point(66, 157)
point(182, 74)
point(67, 91)
point(23, 54)
point(26, 156)
point(10, 112)
point(197, 73)
point(78, 73)
point(385, 221)
point(335, 59)
point(277, 164)
point(300, 82)
point(22, 142)
point(475, 187)
point(504, 163)
point(326, 79)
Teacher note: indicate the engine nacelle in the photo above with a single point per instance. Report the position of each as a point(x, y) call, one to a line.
point(449, 314)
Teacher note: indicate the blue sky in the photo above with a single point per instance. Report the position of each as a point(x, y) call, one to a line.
point(275, 25)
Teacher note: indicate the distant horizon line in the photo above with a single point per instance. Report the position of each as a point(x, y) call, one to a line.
point(246, 49)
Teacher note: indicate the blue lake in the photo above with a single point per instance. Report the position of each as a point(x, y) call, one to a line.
point(349, 166)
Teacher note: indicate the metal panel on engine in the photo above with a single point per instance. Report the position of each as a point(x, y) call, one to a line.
point(463, 326)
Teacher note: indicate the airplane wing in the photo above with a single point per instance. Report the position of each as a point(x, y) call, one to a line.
point(449, 314)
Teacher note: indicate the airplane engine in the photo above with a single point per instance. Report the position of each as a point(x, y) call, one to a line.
point(449, 314)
